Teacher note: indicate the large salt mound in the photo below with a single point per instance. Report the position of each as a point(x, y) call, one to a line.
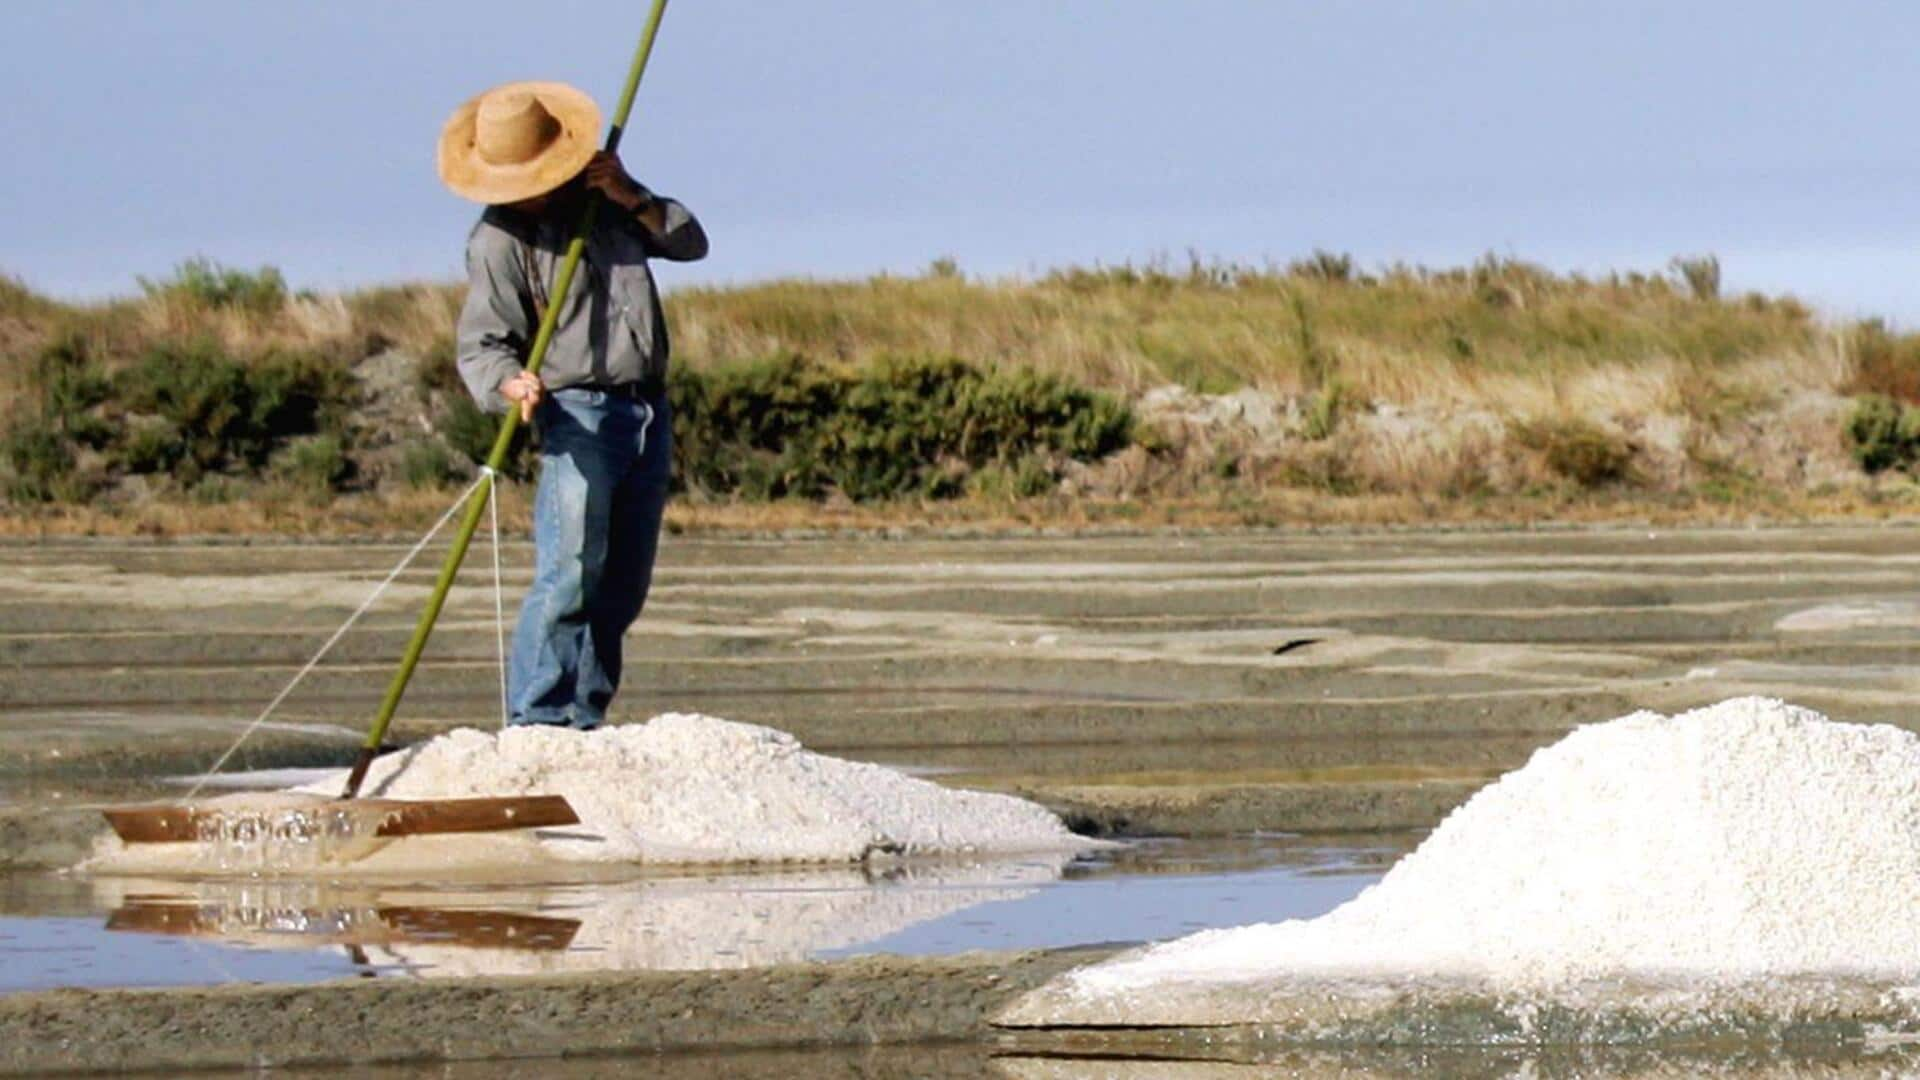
point(685, 788)
point(679, 789)
point(1737, 842)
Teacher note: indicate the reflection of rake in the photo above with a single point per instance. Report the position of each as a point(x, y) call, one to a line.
point(163, 824)
point(351, 926)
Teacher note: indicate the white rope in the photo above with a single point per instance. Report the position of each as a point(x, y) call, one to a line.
point(499, 596)
point(337, 635)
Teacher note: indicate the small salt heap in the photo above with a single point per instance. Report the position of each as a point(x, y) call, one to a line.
point(1738, 842)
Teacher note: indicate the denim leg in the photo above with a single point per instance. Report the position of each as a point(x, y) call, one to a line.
point(572, 517)
point(633, 539)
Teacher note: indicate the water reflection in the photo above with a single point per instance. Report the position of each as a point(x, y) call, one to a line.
point(686, 922)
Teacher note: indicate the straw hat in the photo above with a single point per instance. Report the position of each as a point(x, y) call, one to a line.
point(518, 140)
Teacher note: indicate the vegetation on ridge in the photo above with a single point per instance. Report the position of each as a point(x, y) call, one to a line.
point(1204, 381)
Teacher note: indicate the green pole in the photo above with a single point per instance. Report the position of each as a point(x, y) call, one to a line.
point(497, 457)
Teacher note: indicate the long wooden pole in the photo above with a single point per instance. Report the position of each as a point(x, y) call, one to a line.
point(497, 457)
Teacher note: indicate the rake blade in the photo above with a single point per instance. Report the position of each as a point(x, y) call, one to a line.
point(395, 817)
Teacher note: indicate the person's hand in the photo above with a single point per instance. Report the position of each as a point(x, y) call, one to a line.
point(606, 175)
point(526, 389)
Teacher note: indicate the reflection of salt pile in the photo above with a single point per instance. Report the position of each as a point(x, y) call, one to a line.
point(678, 789)
point(690, 925)
point(1733, 843)
point(654, 923)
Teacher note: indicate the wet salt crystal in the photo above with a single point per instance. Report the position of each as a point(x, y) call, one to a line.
point(1746, 840)
point(258, 839)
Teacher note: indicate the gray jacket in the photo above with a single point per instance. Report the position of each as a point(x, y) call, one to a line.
point(610, 329)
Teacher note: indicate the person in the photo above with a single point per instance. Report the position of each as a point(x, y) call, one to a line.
point(528, 152)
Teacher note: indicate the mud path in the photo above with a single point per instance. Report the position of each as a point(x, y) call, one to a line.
point(1141, 684)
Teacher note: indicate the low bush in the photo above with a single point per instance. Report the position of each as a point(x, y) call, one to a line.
point(217, 413)
point(899, 427)
point(428, 464)
point(40, 464)
point(181, 411)
point(206, 283)
point(470, 431)
point(1884, 434)
point(1578, 450)
point(314, 467)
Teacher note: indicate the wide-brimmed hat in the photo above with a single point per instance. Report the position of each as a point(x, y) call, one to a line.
point(518, 140)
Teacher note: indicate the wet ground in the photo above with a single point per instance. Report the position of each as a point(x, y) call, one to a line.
point(1221, 691)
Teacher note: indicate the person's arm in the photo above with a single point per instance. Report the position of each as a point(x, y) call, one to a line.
point(496, 322)
point(673, 233)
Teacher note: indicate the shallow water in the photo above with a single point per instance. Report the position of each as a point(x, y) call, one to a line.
point(68, 931)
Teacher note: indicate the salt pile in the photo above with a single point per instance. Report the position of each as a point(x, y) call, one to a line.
point(1738, 842)
point(680, 788)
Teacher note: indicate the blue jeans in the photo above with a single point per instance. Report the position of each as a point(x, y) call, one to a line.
point(596, 526)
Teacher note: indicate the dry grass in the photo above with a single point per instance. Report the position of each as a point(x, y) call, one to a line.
point(405, 517)
point(1526, 386)
point(1502, 332)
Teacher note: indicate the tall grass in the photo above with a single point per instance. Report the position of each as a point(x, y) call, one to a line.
point(1501, 329)
point(1401, 333)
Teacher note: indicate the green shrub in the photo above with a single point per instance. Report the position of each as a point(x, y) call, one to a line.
point(152, 447)
point(899, 427)
point(40, 463)
point(223, 413)
point(68, 384)
point(1579, 451)
point(428, 464)
point(1883, 433)
point(206, 283)
point(470, 432)
point(1031, 476)
point(315, 466)
point(55, 419)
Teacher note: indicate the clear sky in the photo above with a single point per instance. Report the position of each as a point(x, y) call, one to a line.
point(841, 137)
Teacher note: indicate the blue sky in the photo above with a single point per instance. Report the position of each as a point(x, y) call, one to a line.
point(843, 138)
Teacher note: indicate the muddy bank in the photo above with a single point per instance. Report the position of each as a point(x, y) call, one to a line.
point(33, 839)
point(1195, 810)
point(1184, 1020)
point(856, 1002)
point(890, 1017)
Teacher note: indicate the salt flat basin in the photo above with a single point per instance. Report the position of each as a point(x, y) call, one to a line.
point(1178, 1017)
